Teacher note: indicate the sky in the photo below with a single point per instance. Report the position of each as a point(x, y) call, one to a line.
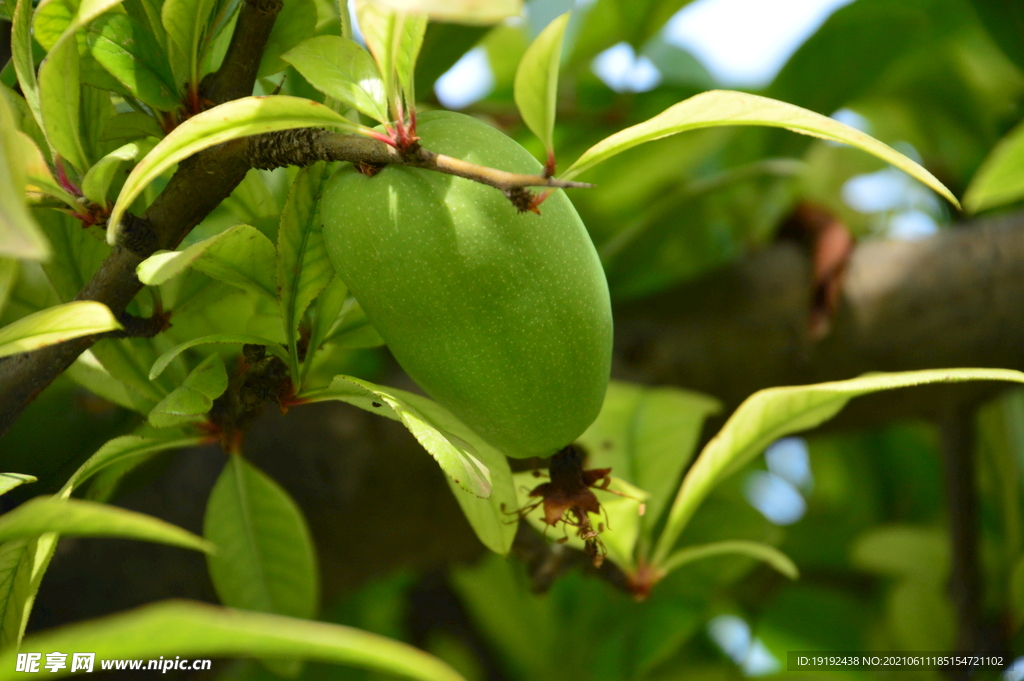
point(742, 43)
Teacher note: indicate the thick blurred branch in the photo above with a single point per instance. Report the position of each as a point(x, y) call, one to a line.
point(953, 300)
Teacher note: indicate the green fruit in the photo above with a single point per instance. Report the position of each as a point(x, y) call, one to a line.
point(501, 317)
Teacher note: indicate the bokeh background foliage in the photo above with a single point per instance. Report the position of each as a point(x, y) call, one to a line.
point(867, 510)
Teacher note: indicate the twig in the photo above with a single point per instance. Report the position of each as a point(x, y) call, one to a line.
point(306, 146)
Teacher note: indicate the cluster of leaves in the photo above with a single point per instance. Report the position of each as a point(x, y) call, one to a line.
point(96, 132)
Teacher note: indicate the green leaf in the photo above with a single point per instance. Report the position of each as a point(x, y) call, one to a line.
point(165, 359)
point(20, 236)
point(340, 68)
point(124, 449)
point(459, 11)
point(194, 398)
point(619, 522)
point(9, 481)
point(232, 120)
point(770, 414)
point(241, 256)
point(130, 53)
point(9, 269)
point(486, 516)
point(89, 373)
point(21, 55)
point(180, 628)
point(89, 519)
point(97, 181)
point(186, 23)
point(38, 177)
point(648, 436)
point(130, 125)
point(1000, 179)
point(478, 474)
point(456, 457)
point(295, 22)
point(536, 84)
point(59, 101)
point(303, 268)
point(763, 552)
point(56, 325)
point(723, 107)
point(265, 559)
point(329, 305)
point(23, 563)
point(394, 39)
point(59, 92)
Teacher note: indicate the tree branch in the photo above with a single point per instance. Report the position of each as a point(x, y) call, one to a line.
point(199, 185)
point(953, 300)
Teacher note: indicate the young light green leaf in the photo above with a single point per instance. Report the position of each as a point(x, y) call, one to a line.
point(770, 414)
point(59, 101)
point(647, 436)
point(394, 39)
point(97, 180)
point(130, 53)
point(56, 325)
point(38, 178)
point(9, 481)
point(165, 359)
point(89, 519)
point(303, 268)
point(186, 22)
point(1000, 180)
point(193, 398)
point(536, 84)
point(90, 374)
point(21, 55)
point(241, 256)
point(752, 549)
point(361, 336)
point(232, 120)
point(265, 559)
point(340, 68)
point(198, 630)
point(477, 12)
point(723, 107)
point(127, 448)
point(329, 306)
point(473, 466)
point(489, 517)
point(20, 236)
point(23, 563)
point(621, 524)
point(455, 456)
point(130, 125)
point(295, 22)
point(59, 96)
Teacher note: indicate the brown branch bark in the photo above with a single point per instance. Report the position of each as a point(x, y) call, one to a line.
point(198, 186)
point(953, 300)
point(965, 584)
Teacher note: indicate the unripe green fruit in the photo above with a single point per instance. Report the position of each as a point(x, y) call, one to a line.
point(501, 317)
